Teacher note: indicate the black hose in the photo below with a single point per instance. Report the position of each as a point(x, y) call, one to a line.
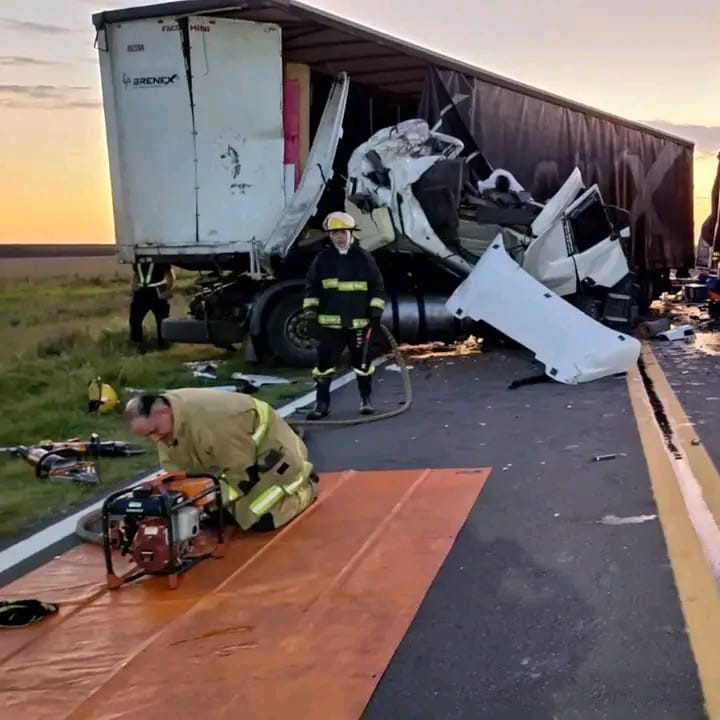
point(87, 533)
point(407, 387)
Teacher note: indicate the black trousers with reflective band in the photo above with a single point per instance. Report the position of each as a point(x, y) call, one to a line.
point(332, 344)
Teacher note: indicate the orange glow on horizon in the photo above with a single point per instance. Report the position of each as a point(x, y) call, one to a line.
point(58, 190)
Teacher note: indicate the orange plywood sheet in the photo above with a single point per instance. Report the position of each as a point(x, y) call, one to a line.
point(302, 622)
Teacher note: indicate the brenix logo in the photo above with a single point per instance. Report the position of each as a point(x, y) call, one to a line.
point(149, 81)
point(193, 28)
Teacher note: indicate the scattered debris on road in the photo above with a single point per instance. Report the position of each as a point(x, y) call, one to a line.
point(634, 520)
point(394, 367)
point(682, 332)
point(260, 380)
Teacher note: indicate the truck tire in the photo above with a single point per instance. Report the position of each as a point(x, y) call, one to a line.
point(649, 290)
point(286, 333)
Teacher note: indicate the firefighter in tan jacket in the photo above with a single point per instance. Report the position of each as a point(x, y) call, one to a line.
point(263, 464)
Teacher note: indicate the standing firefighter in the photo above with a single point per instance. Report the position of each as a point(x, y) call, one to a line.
point(344, 302)
point(152, 285)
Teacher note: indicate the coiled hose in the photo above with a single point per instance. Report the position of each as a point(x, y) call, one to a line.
point(89, 526)
point(407, 388)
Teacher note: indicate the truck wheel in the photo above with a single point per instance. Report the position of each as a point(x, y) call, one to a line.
point(648, 291)
point(286, 333)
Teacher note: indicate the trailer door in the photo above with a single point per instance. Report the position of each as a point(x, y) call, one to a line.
point(150, 135)
point(237, 85)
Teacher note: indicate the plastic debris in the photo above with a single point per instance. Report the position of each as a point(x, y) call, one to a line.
point(682, 332)
point(601, 458)
point(260, 380)
point(634, 520)
point(396, 368)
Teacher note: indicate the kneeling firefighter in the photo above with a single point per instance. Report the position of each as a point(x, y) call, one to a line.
point(263, 464)
point(344, 302)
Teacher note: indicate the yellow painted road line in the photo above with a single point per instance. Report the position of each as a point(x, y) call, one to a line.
point(696, 473)
point(698, 590)
point(703, 467)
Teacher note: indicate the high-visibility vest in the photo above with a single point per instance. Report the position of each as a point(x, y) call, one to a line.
point(145, 279)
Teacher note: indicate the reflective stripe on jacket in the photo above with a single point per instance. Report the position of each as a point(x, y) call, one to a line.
point(241, 439)
point(345, 291)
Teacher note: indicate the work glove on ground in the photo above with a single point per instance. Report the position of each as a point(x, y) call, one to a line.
point(21, 613)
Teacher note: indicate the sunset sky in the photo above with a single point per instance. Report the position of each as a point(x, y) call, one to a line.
point(636, 58)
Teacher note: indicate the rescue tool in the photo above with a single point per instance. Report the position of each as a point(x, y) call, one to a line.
point(67, 459)
point(58, 465)
point(162, 523)
point(95, 447)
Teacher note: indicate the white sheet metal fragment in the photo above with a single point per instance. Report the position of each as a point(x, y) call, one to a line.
point(318, 172)
point(682, 332)
point(633, 520)
point(573, 347)
point(259, 380)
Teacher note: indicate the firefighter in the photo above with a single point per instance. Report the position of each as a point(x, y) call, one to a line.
point(344, 303)
point(262, 463)
point(152, 285)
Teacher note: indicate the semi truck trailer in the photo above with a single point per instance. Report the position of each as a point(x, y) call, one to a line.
point(234, 128)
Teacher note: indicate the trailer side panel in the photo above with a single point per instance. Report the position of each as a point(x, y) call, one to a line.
point(541, 142)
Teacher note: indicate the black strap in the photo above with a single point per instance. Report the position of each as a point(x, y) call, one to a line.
point(270, 460)
point(253, 479)
point(533, 380)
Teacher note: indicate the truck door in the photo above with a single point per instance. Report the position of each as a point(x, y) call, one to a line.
point(237, 86)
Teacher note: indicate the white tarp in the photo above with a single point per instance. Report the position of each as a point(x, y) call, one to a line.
point(573, 347)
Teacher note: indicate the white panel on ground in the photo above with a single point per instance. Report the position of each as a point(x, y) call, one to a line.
point(573, 347)
point(237, 87)
point(152, 150)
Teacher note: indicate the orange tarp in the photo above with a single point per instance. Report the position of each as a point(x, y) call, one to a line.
point(300, 623)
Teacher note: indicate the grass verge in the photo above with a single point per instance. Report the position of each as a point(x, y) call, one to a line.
point(59, 333)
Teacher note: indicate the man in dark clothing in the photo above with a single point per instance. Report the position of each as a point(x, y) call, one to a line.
point(152, 285)
point(344, 302)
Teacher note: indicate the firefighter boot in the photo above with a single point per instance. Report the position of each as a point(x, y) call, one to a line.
point(322, 399)
point(365, 387)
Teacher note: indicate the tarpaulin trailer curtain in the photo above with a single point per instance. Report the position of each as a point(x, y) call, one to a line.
point(710, 230)
point(541, 141)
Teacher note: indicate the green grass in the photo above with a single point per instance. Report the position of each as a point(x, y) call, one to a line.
point(58, 335)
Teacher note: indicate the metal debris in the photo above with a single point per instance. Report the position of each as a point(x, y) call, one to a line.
point(633, 520)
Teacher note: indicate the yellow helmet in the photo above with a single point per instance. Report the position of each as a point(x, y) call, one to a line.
point(339, 221)
point(101, 396)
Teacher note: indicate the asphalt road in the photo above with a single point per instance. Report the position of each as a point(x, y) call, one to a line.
point(541, 611)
